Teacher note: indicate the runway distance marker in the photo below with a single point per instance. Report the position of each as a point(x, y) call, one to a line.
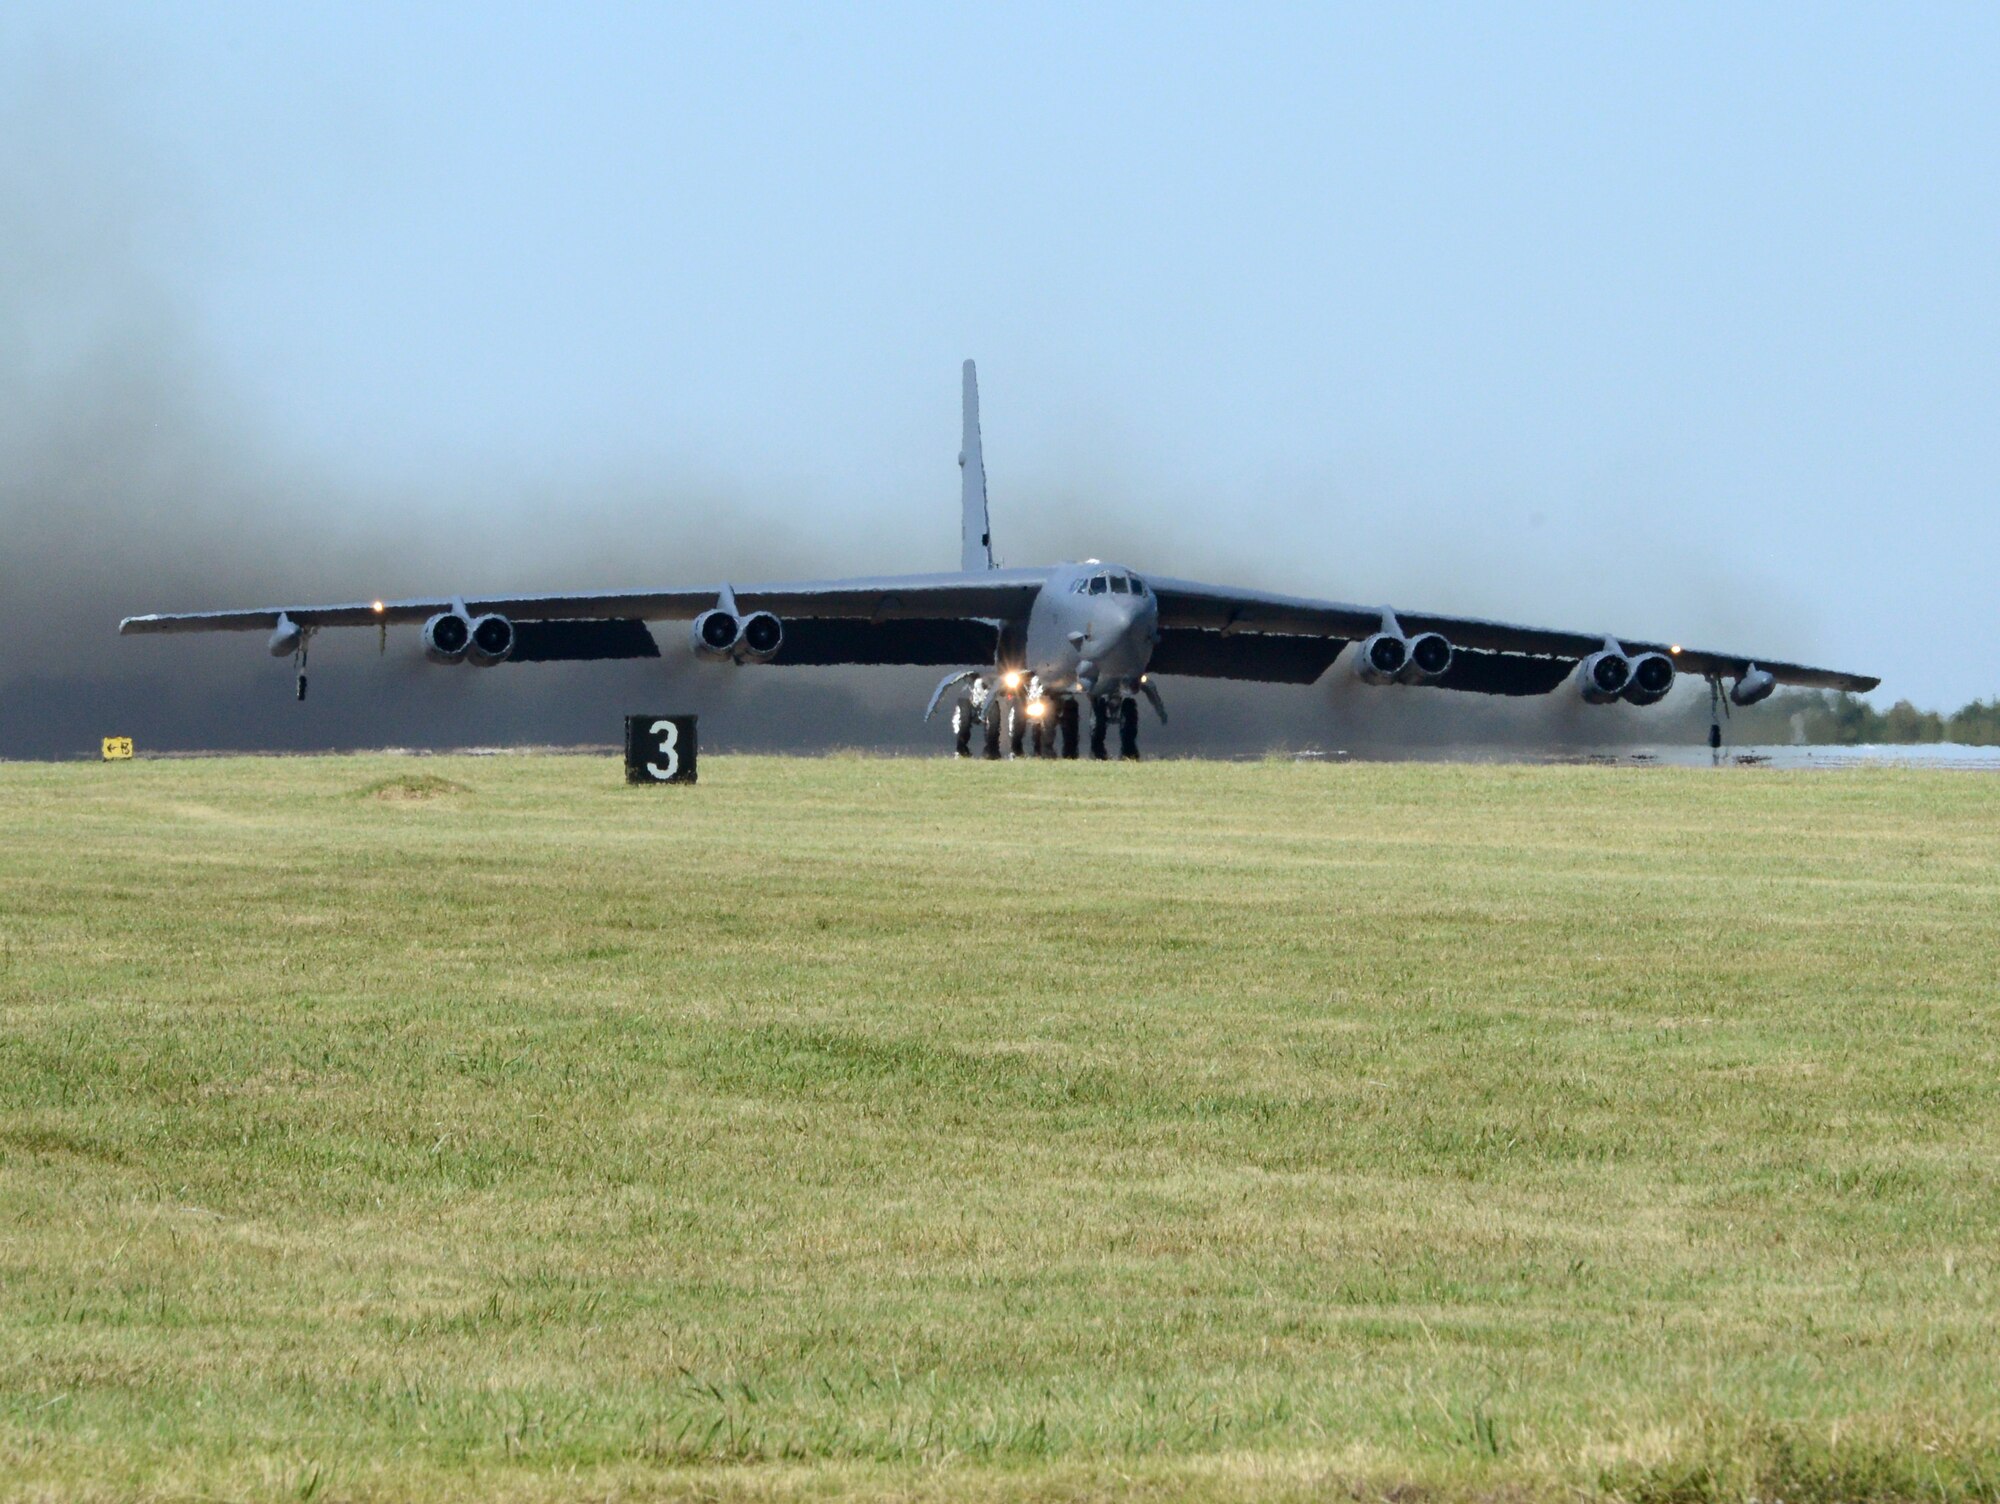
point(117, 748)
point(659, 749)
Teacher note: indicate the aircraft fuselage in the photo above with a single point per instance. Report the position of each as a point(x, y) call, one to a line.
point(1091, 630)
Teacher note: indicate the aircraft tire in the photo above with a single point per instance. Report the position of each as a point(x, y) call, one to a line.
point(1017, 728)
point(995, 711)
point(1128, 731)
point(1066, 723)
point(1100, 725)
point(962, 718)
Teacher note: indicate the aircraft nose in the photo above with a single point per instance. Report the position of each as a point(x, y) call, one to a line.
point(1118, 638)
point(1111, 619)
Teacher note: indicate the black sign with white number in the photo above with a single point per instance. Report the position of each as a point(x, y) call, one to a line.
point(659, 749)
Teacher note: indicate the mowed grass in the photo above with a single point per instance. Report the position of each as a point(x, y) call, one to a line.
point(468, 1128)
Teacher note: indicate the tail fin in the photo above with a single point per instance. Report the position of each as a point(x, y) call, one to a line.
point(976, 547)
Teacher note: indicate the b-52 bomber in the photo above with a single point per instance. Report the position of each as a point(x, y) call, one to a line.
point(1030, 650)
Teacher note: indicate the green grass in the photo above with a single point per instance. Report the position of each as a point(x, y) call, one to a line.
point(482, 1128)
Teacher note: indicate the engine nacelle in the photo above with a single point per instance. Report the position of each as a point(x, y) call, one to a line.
point(1429, 657)
point(1603, 676)
point(446, 637)
point(762, 635)
point(1381, 658)
point(1652, 676)
point(285, 637)
point(492, 641)
point(715, 634)
point(1756, 685)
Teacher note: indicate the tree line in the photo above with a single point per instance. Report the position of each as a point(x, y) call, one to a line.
point(1826, 718)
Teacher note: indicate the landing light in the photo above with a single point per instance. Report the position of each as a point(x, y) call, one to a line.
point(1011, 679)
point(378, 606)
point(1035, 708)
point(1675, 648)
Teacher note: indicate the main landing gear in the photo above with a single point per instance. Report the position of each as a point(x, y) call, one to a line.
point(989, 718)
point(1127, 713)
point(1067, 717)
point(1020, 721)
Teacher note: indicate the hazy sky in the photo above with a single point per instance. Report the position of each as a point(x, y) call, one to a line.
point(1665, 319)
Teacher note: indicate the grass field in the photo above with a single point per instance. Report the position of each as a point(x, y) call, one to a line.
point(386, 1128)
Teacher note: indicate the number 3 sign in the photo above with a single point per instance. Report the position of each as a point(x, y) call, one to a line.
point(659, 749)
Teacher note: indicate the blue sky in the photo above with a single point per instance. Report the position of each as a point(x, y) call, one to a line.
point(1666, 319)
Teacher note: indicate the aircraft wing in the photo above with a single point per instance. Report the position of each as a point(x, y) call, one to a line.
point(995, 594)
point(1490, 657)
point(913, 619)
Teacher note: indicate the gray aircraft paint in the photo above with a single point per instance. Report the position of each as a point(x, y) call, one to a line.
point(976, 528)
point(1085, 643)
point(1062, 637)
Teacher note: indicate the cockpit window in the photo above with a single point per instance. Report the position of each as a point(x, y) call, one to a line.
point(1097, 584)
point(1138, 585)
point(1120, 585)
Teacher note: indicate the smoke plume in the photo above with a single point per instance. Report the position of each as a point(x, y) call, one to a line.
point(134, 478)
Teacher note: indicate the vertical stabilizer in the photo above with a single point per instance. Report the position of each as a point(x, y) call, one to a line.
point(976, 548)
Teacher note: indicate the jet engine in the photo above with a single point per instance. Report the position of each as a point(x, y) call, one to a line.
point(1652, 676)
point(716, 634)
point(1755, 685)
point(1603, 676)
point(285, 637)
point(492, 641)
point(1381, 658)
point(762, 635)
point(446, 637)
point(1429, 657)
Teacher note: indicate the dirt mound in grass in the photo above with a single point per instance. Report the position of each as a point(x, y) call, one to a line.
point(411, 788)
